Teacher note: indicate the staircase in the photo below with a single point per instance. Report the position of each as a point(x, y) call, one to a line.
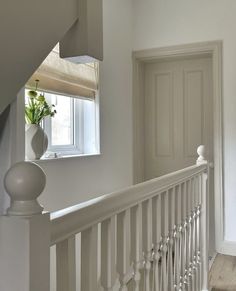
point(149, 237)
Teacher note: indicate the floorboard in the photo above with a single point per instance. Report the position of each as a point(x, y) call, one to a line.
point(223, 274)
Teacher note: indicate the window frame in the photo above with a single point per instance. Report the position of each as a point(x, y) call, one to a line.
point(82, 146)
point(77, 148)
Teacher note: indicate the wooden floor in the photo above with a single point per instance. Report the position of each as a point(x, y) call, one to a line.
point(223, 274)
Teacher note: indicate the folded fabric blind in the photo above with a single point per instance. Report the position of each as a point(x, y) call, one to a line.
point(63, 77)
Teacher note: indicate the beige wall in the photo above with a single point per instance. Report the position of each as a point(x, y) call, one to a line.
point(4, 156)
point(28, 30)
point(70, 181)
point(159, 23)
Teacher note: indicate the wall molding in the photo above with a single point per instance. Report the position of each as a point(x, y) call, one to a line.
point(140, 58)
point(227, 247)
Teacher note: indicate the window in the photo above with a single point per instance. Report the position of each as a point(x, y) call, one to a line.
point(73, 130)
point(73, 89)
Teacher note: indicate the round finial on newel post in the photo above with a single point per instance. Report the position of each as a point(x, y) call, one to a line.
point(24, 182)
point(201, 150)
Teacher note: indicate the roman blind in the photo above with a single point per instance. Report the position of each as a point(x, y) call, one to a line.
point(63, 77)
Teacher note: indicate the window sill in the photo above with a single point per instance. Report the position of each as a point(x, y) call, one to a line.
point(66, 157)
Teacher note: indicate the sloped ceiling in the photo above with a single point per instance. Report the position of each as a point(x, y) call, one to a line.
point(29, 29)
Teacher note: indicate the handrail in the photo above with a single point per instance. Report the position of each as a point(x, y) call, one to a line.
point(74, 219)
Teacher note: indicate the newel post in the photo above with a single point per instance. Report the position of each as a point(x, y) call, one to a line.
point(204, 216)
point(25, 232)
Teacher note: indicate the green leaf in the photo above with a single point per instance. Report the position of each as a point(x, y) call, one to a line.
point(37, 108)
point(32, 94)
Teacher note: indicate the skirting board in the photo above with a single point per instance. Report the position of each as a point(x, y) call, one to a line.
point(226, 248)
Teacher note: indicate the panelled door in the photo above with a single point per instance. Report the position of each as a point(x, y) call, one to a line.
point(178, 113)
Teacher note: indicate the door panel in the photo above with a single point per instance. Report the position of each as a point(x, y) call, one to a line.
point(178, 114)
point(163, 114)
point(193, 108)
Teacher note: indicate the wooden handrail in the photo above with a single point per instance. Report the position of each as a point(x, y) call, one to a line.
point(74, 219)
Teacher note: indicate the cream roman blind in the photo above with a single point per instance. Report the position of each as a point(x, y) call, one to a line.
point(63, 77)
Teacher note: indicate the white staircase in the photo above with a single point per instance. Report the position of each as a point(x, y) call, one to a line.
point(149, 237)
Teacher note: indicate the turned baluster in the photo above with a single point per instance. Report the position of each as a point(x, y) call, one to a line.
point(165, 240)
point(108, 253)
point(123, 248)
point(66, 265)
point(198, 236)
point(136, 243)
point(156, 226)
point(184, 238)
point(171, 228)
point(89, 259)
point(178, 238)
point(147, 241)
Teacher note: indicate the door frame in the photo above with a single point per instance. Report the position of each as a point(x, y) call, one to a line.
point(140, 58)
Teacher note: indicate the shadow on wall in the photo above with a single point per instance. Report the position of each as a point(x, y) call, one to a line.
point(3, 120)
point(5, 159)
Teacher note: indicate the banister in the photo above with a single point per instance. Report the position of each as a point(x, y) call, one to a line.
point(74, 219)
point(140, 225)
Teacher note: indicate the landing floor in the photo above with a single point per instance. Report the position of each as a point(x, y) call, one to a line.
point(223, 274)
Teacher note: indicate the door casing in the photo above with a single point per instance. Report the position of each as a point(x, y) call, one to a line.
point(140, 58)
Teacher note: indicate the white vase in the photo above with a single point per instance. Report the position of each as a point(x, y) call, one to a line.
point(36, 141)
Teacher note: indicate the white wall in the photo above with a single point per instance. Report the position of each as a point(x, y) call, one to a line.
point(159, 23)
point(11, 143)
point(70, 181)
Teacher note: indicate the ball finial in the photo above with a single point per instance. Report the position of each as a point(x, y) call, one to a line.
point(201, 150)
point(24, 182)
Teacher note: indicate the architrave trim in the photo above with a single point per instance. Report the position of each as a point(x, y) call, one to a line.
point(140, 58)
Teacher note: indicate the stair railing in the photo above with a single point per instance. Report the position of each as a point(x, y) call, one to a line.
point(150, 236)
